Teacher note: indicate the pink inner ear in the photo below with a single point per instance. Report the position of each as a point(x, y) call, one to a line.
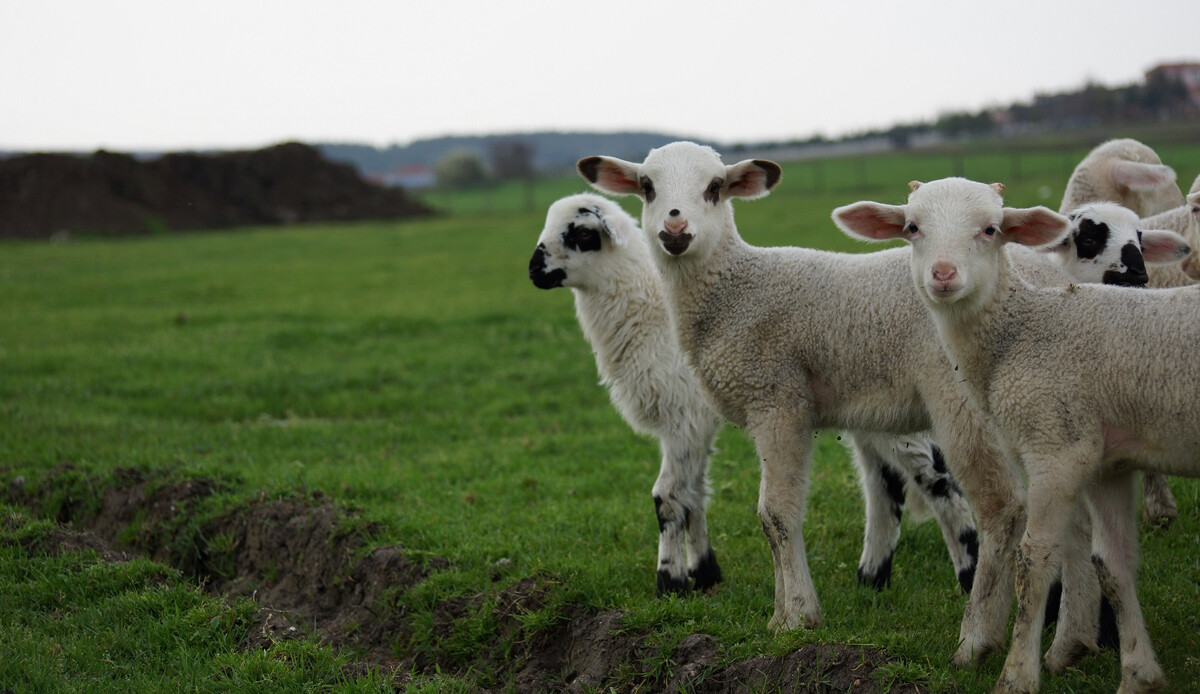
point(752, 181)
point(1036, 226)
point(613, 178)
point(1159, 247)
point(1138, 176)
point(872, 220)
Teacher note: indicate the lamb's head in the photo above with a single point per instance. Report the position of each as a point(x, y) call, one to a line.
point(1126, 172)
point(957, 228)
point(685, 191)
point(1191, 266)
point(581, 232)
point(1105, 246)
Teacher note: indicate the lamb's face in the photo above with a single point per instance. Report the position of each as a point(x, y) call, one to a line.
point(953, 225)
point(685, 190)
point(681, 185)
point(571, 248)
point(1103, 246)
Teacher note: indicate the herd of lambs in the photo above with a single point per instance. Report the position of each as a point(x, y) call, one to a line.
point(980, 386)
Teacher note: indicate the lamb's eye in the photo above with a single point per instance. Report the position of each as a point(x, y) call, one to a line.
point(647, 189)
point(990, 230)
point(713, 194)
point(911, 228)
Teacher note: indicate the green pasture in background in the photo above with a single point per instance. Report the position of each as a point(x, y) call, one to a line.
point(410, 371)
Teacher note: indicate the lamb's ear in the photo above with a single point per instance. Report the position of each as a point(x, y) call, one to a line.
point(1162, 246)
point(610, 175)
point(619, 228)
point(1141, 177)
point(1194, 198)
point(1033, 226)
point(752, 178)
point(871, 221)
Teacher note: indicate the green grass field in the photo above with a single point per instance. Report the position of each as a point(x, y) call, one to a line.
point(412, 373)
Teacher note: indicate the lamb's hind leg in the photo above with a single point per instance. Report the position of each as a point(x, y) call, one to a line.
point(1115, 553)
point(784, 448)
point(883, 495)
point(926, 465)
point(1078, 612)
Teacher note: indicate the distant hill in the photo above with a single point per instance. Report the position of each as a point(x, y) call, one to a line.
point(553, 152)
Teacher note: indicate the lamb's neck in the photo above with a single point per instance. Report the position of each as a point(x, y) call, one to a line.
point(978, 332)
point(622, 319)
point(688, 281)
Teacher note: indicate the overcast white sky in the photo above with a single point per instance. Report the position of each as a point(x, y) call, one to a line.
point(173, 74)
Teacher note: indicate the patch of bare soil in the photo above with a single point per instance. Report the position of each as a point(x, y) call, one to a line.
point(42, 195)
point(310, 566)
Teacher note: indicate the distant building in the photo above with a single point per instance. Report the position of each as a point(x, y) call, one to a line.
point(412, 176)
point(1187, 73)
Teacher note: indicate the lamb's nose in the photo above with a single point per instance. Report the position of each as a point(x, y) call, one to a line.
point(675, 225)
point(944, 272)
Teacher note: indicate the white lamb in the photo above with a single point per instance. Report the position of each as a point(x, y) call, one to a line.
point(786, 340)
point(1126, 172)
point(1185, 220)
point(1027, 356)
point(592, 246)
point(1131, 174)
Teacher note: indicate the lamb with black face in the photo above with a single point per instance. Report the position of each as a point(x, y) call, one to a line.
point(581, 235)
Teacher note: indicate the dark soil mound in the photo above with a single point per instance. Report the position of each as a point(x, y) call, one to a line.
point(310, 566)
point(115, 194)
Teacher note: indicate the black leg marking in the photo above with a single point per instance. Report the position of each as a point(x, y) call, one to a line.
point(882, 577)
point(1110, 634)
point(939, 461)
point(966, 577)
point(662, 522)
point(671, 586)
point(1053, 601)
point(707, 574)
point(894, 485)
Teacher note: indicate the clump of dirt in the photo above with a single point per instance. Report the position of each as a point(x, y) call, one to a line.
point(305, 559)
point(310, 566)
point(810, 668)
point(42, 195)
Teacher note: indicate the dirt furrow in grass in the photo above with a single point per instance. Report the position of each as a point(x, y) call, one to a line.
point(311, 565)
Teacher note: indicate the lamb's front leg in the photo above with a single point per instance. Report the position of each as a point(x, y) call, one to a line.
point(784, 449)
point(993, 486)
point(672, 506)
point(1056, 479)
point(702, 566)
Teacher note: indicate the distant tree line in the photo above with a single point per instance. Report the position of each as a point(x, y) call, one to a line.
point(1160, 98)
